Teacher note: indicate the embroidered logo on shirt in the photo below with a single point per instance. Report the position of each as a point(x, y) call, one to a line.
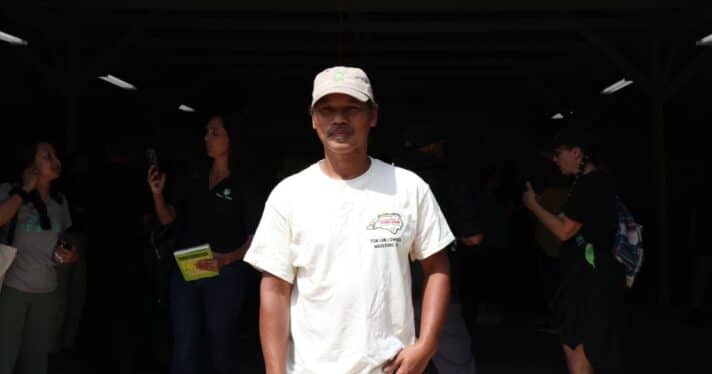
point(226, 194)
point(391, 222)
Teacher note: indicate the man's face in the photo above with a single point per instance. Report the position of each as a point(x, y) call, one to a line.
point(343, 123)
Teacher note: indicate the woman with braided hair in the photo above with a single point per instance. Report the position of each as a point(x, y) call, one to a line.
point(589, 303)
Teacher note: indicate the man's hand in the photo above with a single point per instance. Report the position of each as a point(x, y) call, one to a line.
point(413, 359)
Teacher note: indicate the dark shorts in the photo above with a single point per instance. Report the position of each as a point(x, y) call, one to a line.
point(589, 310)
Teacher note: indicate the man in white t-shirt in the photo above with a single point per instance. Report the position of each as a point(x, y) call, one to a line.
point(334, 246)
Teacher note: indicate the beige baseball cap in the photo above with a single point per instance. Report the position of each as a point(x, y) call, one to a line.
point(344, 80)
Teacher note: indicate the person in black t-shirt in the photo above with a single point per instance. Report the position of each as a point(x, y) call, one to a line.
point(221, 208)
point(589, 303)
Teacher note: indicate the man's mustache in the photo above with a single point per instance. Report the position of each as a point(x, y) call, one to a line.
point(342, 128)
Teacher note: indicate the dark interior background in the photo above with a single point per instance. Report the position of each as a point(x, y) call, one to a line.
point(492, 73)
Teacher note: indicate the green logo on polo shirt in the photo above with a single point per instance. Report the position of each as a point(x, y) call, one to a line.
point(226, 194)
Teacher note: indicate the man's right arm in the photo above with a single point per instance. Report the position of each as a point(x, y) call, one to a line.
point(275, 294)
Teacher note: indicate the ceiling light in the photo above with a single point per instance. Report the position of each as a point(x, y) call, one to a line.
point(706, 41)
point(186, 108)
point(12, 39)
point(118, 82)
point(616, 87)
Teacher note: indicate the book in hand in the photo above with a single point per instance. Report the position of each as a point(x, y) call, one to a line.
point(188, 258)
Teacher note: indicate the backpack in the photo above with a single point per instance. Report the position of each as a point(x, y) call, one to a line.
point(628, 243)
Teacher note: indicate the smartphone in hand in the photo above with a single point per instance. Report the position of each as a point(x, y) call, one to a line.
point(152, 157)
point(61, 245)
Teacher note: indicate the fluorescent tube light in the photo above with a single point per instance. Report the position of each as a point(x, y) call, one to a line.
point(615, 87)
point(706, 41)
point(12, 39)
point(118, 82)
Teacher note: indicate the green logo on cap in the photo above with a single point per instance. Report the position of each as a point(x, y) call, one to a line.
point(339, 76)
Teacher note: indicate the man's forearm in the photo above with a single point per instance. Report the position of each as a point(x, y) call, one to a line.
point(436, 298)
point(274, 323)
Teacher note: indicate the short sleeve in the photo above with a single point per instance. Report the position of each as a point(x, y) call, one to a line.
point(579, 203)
point(432, 232)
point(270, 250)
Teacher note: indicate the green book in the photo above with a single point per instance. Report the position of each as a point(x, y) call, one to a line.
point(189, 257)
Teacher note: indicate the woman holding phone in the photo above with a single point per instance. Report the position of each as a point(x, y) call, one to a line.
point(33, 216)
point(222, 209)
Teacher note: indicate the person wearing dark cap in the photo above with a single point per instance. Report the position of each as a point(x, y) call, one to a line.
point(334, 244)
point(425, 148)
point(589, 303)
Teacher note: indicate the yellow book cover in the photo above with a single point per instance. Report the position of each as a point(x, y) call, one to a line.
point(188, 258)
